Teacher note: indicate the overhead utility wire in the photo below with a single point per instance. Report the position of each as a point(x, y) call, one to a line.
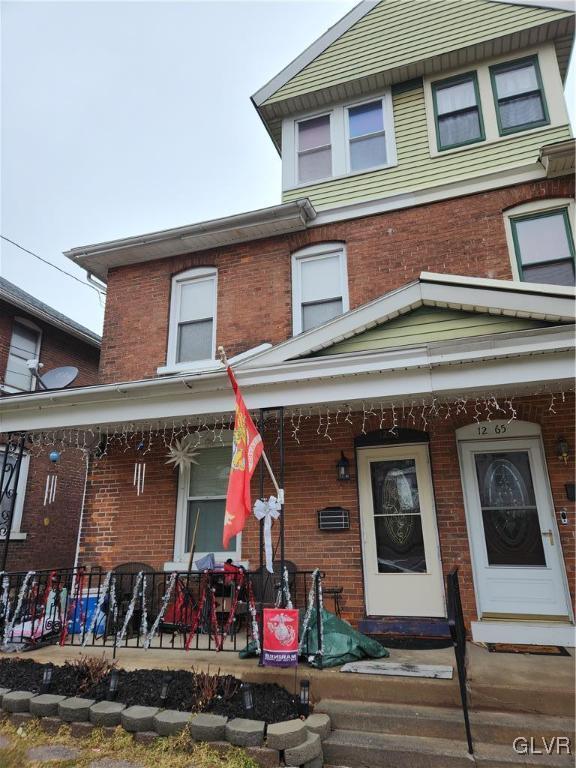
point(99, 291)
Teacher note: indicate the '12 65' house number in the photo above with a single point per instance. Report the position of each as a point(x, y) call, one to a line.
point(492, 429)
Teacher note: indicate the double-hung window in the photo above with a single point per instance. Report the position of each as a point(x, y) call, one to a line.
point(457, 111)
point(314, 149)
point(366, 135)
point(192, 335)
point(24, 346)
point(319, 285)
point(518, 95)
point(544, 247)
point(202, 503)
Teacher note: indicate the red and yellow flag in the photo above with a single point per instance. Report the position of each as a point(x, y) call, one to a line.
point(246, 450)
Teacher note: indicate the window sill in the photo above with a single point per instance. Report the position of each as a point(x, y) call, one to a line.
point(16, 536)
point(195, 367)
point(7, 389)
point(182, 567)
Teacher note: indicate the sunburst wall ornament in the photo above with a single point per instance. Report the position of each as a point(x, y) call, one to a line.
point(182, 454)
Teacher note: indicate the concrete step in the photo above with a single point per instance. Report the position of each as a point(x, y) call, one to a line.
point(356, 749)
point(437, 722)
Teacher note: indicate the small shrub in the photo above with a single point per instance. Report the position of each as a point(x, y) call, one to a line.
point(92, 670)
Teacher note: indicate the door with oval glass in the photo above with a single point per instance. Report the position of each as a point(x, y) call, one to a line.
point(402, 568)
point(516, 552)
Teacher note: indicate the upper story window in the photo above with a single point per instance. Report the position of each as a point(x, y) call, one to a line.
point(457, 111)
point(24, 346)
point(349, 138)
point(314, 149)
point(367, 137)
point(319, 285)
point(192, 333)
point(519, 95)
point(541, 242)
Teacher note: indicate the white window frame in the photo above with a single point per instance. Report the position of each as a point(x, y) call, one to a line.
point(16, 532)
point(552, 89)
point(311, 252)
point(200, 274)
point(526, 209)
point(339, 137)
point(328, 114)
point(23, 321)
point(180, 556)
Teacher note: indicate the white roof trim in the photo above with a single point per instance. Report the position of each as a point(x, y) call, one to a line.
point(506, 297)
point(313, 51)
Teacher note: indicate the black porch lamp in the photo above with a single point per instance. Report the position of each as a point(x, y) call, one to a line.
point(343, 467)
point(304, 699)
point(562, 450)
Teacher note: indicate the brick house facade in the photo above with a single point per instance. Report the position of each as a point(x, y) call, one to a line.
point(47, 535)
point(435, 352)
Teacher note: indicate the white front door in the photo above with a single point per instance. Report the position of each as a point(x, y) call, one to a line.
point(516, 552)
point(402, 569)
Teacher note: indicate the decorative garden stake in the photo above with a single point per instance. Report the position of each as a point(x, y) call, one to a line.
point(166, 680)
point(304, 698)
point(113, 686)
point(47, 678)
point(247, 697)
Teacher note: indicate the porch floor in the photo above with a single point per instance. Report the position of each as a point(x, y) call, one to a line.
point(505, 682)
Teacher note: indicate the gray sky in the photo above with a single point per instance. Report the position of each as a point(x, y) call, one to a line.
point(120, 118)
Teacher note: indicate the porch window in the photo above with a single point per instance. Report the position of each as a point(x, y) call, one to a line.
point(319, 285)
point(20, 490)
point(544, 247)
point(24, 346)
point(203, 497)
point(457, 111)
point(192, 335)
point(519, 95)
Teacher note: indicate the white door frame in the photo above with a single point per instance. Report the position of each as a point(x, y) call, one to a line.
point(491, 432)
point(421, 452)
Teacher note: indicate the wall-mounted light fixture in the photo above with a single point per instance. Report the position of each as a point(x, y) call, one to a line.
point(343, 467)
point(562, 449)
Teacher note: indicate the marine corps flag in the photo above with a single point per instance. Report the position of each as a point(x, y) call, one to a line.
point(246, 450)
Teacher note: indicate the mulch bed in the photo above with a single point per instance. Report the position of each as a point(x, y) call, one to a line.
point(187, 691)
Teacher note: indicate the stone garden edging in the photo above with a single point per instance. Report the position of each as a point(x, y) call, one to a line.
point(294, 742)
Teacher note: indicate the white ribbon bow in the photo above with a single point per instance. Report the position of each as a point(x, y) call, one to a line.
point(268, 511)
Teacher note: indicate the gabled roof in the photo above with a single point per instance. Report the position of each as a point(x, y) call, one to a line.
point(552, 304)
point(381, 43)
point(15, 296)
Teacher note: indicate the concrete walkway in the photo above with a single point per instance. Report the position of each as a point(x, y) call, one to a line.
point(509, 682)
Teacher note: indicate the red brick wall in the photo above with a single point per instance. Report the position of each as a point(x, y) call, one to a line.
point(121, 527)
point(463, 236)
point(51, 530)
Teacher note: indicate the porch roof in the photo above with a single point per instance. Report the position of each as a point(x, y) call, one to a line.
point(534, 360)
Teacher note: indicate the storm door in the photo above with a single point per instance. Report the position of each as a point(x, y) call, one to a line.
point(402, 569)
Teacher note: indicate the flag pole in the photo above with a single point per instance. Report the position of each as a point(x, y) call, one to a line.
point(279, 491)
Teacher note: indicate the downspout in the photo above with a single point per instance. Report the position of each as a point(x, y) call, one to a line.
point(77, 555)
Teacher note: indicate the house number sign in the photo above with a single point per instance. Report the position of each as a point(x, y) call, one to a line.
point(493, 428)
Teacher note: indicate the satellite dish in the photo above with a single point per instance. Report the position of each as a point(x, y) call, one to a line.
point(58, 378)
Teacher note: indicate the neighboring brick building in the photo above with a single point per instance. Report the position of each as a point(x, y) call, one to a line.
point(409, 307)
point(43, 535)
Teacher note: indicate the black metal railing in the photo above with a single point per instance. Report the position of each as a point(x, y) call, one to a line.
point(458, 634)
point(196, 611)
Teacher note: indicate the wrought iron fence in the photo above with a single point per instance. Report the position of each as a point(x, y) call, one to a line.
point(195, 611)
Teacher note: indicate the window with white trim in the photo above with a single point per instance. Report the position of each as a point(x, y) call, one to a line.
point(319, 285)
point(16, 531)
point(202, 502)
point(24, 346)
point(192, 334)
point(541, 241)
point(349, 138)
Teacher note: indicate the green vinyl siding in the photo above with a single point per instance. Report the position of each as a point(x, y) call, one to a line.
point(399, 32)
point(427, 324)
point(417, 169)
